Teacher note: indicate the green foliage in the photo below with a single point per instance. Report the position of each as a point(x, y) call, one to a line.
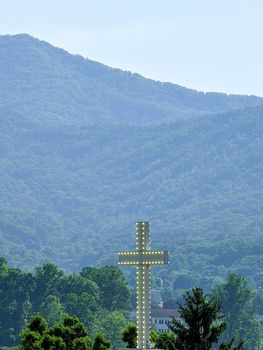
point(69, 335)
point(113, 286)
point(38, 325)
point(100, 343)
point(237, 304)
point(129, 335)
point(46, 278)
point(52, 293)
point(52, 343)
point(52, 310)
point(74, 172)
point(86, 149)
point(49, 84)
point(3, 266)
point(200, 325)
point(15, 304)
point(165, 340)
point(83, 343)
point(110, 324)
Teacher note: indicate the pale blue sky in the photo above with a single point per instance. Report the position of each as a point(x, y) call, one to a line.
point(210, 45)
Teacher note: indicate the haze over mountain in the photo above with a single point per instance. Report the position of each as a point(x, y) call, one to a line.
point(48, 84)
point(86, 150)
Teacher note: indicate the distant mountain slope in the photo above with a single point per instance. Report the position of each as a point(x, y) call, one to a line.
point(71, 194)
point(49, 85)
point(86, 150)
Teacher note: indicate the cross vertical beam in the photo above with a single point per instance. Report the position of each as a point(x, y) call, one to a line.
point(143, 288)
point(143, 258)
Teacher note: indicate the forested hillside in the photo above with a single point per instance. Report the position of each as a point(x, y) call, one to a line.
point(85, 152)
point(48, 85)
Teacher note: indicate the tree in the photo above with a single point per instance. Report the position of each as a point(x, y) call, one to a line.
point(52, 310)
point(200, 324)
point(110, 324)
point(71, 334)
point(80, 296)
point(115, 294)
point(33, 334)
point(129, 335)
point(100, 343)
point(15, 305)
point(82, 305)
point(47, 277)
point(82, 344)
point(237, 304)
point(165, 340)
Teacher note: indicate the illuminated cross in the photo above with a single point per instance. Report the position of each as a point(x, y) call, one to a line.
point(143, 258)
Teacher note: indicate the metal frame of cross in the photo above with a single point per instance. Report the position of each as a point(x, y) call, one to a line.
point(143, 258)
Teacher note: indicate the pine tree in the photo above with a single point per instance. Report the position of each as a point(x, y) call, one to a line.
point(200, 324)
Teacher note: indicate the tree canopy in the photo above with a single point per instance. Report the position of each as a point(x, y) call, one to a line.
point(50, 292)
point(237, 304)
point(71, 334)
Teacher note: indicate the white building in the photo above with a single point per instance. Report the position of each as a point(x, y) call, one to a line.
point(162, 317)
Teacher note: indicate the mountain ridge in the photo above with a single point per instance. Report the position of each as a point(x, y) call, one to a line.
point(99, 93)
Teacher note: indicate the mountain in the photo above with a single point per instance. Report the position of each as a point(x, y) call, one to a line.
point(49, 85)
point(86, 150)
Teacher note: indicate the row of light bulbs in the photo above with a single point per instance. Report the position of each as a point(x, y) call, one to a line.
point(140, 262)
point(140, 253)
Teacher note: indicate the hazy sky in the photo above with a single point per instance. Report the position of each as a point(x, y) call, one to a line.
point(210, 45)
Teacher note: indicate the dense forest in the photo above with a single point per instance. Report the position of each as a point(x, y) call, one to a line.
point(87, 150)
point(199, 182)
point(48, 85)
point(73, 182)
point(101, 299)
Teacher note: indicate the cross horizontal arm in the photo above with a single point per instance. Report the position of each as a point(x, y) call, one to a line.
point(143, 258)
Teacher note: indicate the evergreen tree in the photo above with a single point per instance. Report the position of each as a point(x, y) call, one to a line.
point(201, 323)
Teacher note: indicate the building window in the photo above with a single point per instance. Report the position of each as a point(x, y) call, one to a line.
point(160, 321)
